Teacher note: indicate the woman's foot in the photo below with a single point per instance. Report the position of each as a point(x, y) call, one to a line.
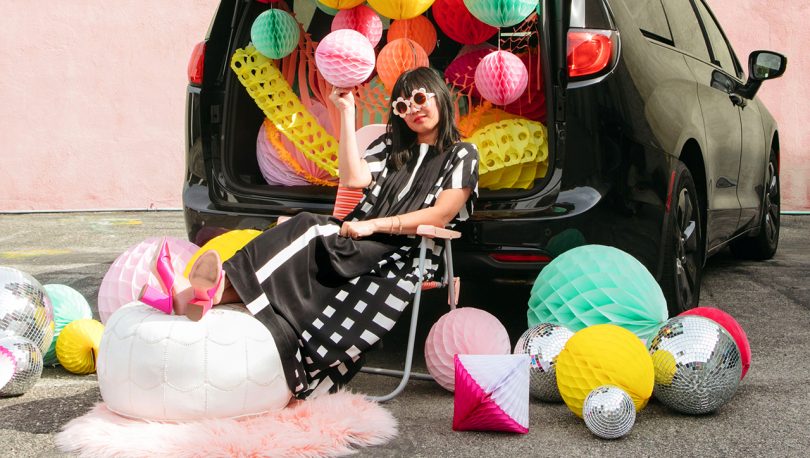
point(208, 282)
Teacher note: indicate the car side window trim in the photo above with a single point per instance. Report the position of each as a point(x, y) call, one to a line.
point(736, 61)
point(714, 61)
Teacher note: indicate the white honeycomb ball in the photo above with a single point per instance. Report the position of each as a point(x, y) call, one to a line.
point(155, 366)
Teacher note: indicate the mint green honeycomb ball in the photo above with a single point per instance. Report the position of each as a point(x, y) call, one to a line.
point(595, 284)
point(501, 13)
point(275, 33)
point(68, 305)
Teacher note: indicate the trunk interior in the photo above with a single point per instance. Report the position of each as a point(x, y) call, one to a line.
point(520, 132)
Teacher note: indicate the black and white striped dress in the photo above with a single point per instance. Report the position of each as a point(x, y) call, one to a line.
point(326, 298)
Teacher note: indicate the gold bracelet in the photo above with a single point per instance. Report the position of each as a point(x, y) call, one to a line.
point(399, 223)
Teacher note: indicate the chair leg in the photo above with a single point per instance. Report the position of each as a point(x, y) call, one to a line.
point(406, 374)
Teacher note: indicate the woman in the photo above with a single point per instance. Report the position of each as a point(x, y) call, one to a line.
point(329, 289)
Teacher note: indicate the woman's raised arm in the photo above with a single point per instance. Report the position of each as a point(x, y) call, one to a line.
point(352, 169)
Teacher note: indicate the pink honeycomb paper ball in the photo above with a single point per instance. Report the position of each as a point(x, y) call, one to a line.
point(133, 269)
point(361, 19)
point(463, 331)
point(732, 326)
point(461, 71)
point(501, 77)
point(345, 58)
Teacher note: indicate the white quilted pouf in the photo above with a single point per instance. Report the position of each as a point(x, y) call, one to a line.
point(164, 367)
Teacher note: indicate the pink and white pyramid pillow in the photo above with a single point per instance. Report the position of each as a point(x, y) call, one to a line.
point(492, 393)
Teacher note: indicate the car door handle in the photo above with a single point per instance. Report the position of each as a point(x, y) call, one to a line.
point(738, 100)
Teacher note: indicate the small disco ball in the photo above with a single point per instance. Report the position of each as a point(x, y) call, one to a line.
point(28, 368)
point(609, 412)
point(543, 343)
point(697, 365)
point(25, 308)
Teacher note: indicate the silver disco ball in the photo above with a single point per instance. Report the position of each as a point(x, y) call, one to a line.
point(697, 365)
point(25, 309)
point(29, 365)
point(609, 412)
point(543, 343)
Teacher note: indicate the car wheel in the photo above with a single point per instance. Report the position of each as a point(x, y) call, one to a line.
point(683, 246)
point(763, 245)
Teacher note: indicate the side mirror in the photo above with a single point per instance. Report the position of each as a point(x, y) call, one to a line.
point(762, 65)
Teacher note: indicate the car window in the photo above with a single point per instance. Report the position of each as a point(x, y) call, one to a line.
point(686, 31)
point(651, 20)
point(722, 53)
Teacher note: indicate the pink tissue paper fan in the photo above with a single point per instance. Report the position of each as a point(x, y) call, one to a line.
point(8, 365)
point(492, 393)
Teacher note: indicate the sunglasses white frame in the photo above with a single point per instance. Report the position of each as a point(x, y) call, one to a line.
point(413, 107)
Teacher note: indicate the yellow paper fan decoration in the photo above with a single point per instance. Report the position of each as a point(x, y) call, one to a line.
point(271, 92)
point(77, 346)
point(604, 354)
point(226, 245)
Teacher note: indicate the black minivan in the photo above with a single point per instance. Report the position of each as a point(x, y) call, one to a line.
point(656, 143)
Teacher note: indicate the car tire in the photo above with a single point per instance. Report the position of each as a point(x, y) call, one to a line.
point(684, 250)
point(763, 245)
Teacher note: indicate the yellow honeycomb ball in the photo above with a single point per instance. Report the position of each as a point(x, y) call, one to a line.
point(604, 354)
point(226, 245)
point(400, 9)
point(77, 346)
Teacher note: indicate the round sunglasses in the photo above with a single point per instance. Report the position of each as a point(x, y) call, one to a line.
point(418, 99)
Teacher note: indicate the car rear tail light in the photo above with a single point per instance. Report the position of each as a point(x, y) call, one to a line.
point(196, 64)
point(589, 51)
point(520, 257)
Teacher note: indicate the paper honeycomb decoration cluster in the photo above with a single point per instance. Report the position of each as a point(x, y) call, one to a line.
point(68, 305)
point(513, 153)
point(501, 77)
point(604, 354)
point(501, 13)
point(361, 19)
point(162, 367)
point(78, 345)
point(459, 24)
point(492, 393)
point(596, 284)
point(398, 56)
point(275, 33)
point(274, 96)
point(400, 9)
point(418, 29)
point(345, 58)
point(461, 71)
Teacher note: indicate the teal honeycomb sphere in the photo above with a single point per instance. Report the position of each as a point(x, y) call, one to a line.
point(595, 284)
point(275, 33)
point(68, 305)
point(501, 13)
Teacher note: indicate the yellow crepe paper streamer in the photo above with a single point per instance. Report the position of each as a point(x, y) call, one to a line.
point(604, 354)
point(226, 245)
point(271, 92)
point(77, 346)
point(274, 137)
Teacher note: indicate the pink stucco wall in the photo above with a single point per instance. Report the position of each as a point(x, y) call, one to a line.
point(92, 97)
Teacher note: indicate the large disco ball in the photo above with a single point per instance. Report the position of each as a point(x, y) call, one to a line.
point(543, 343)
point(133, 269)
point(732, 326)
point(596, 284)
point(25, 308)
point(697, 365)
point(28, 370)
point(609, 412)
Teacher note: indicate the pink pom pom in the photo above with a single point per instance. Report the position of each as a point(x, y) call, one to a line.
point(345, 58)
point(501, 77)
point(362, 19)
point(462, 331)
point(729, 324)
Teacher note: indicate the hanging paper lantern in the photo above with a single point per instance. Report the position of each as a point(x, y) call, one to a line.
point(342, 4)
point(604, 354)
point(456, 21)
point(397, 57)
point(501, 77)
point(362, 19)
point(732, 326)
point(132, 269)
point(501, 13)
point(275, 33)
point(226, 245)
point(68, 305)
point(78, 344)
point(400, 9)
point(595, 284)
point(461, 71)
point(418, 29)
point(468, 331)
point(328, 10)
point(345, 58)
point(492, 393)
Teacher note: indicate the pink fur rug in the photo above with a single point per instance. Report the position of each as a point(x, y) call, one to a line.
point(329, 425)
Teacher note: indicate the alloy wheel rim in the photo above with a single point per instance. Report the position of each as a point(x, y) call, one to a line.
point(686, 262)
point(772, 205)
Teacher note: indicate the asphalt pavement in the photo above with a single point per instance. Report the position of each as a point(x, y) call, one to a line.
point(768, 416)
